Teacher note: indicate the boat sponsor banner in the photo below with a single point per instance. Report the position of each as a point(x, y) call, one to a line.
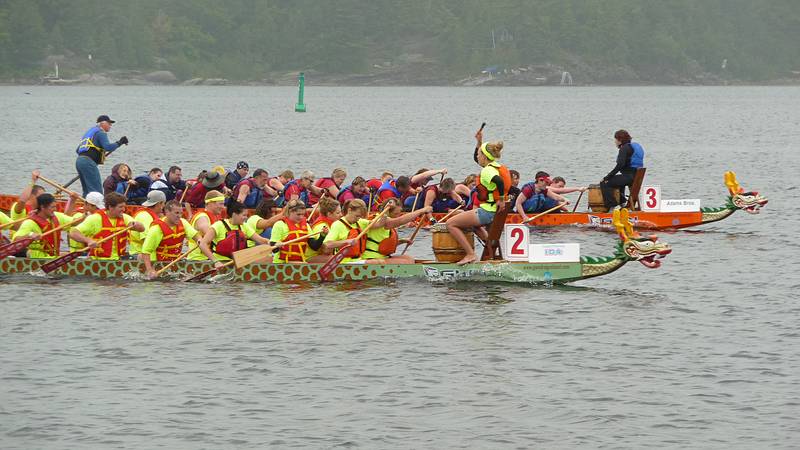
point(552, 253)
point(514, 243)
point(650, 198)
point(680, 205)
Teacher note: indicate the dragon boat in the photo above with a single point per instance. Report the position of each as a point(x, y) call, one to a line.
point(631, 247)
point(750, 202)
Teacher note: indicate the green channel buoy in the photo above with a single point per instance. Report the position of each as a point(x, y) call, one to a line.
point(300, 106)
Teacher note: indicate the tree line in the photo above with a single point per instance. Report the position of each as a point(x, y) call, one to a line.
point(245, 39)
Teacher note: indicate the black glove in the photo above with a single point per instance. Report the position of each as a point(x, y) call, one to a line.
point(123, 140)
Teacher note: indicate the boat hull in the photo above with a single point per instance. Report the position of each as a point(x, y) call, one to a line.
point(502, 271)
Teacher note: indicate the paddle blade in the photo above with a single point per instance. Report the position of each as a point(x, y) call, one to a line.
point(250, 255)
point(15, 247)
point(58, 262)
point(201, 275)
point(327, 269)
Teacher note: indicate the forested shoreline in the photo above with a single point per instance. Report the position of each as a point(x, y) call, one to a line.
point(408, 42)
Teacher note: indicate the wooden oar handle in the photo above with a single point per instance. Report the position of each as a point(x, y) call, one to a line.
point(11, 224)
point(374, 221)
point(444, 219)
point(110, 236)
point(576, 203)
point(531, 219)
point(279, 244)
point(60, 187)
point(183, 255)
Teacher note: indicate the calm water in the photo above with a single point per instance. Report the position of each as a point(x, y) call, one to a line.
point(702, 353)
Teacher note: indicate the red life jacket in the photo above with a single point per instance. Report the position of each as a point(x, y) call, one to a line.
point(249, 182)
point(295, 252)
point(323, 219)
point(50, 243)
point(172, 241)
point(109, 227)
point(483, 193)
point(234, 240)
point(196, 195)
point(322, 183)
point(356, 250)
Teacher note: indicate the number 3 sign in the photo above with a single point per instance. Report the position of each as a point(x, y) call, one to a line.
point(650, 198)
point(516, 242)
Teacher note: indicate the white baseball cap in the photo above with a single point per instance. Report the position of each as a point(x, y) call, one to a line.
point(96, 199)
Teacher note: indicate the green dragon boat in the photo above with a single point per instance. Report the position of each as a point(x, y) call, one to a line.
point(631, 247)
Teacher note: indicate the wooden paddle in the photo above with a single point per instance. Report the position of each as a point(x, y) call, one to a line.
point(182, 256)
point(531, 219)
point(576, 203)
point(414, 206)
point(127, 187)
point(58, 262)
point(250, 255)
point(12, 223)
point(208, 272)
point(60, 188)
point(337, 258)
point(20, 245)
point(314, 209)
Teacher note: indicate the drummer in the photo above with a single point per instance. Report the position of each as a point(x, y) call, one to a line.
point(495, 181)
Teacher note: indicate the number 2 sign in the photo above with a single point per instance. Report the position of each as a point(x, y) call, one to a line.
point(650, 198)
point(516, 242)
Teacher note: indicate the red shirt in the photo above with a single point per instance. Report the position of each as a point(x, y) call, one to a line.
point(322, 183)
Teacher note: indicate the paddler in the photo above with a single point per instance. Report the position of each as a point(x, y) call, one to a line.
point(418, 182)
point(103, 223)
point(331, 184)
point(262, 220)
point(382, 238)
point(40, 221)
point(203, 219)
point(93, 202)
point(299, 190)
point(278, 184)
point(92, 150)
point(26, 203)
point(208, 181)
point(293, 226)
point(165, 237)
point(442, 198)
point(330, 211)
point(153, 208)
point(492, 193)
point(344, 231)
point(228, 235)
point(357, 189)
point(250, 191)
point(536, 196)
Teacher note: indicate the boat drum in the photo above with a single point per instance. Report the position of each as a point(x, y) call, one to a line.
point(445, 246)
point(596, 203)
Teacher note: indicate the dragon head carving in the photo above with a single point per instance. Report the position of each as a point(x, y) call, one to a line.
point(750, 202)
point(646, 250)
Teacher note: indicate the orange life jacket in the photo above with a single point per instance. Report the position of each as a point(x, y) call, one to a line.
point(109, 227)
point(50, 243)
point(483, 192)
point(387, 246)
point(172, 242)
point(295, 252)
point(323, 219)
point(211, 217)
point(356, 250)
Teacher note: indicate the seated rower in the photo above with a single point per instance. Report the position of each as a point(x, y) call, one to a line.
point(94, 201)
point(535, 196)
point(153, 207)
point(629, 158)
point(293, 226)
point(329, 212)
point(119, 181)
point(137, 194)
point(344, 231)
point(171, 184)
point(514, 191)
point(26, 203)
point(299, 190)
point(492, 193)
point(278, 184)
point(382, 238)
point(202, 220)
point(558, 186)
point(164, 241)
point(106, 222)
point(394, 188)
point(262, 220)
point(43, 219)
point(330, 184)
point(357, 189)
point(207, 181)
point(466, 189)
point(250, 191)
point(233, 177)
point(228, 235)
point(418, 182)
point(442, 198)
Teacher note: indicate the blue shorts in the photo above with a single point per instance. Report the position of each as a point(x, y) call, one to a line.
point(485, 217)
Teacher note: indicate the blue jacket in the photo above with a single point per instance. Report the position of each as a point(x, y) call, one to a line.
point(99, 140)
point(637, 160)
